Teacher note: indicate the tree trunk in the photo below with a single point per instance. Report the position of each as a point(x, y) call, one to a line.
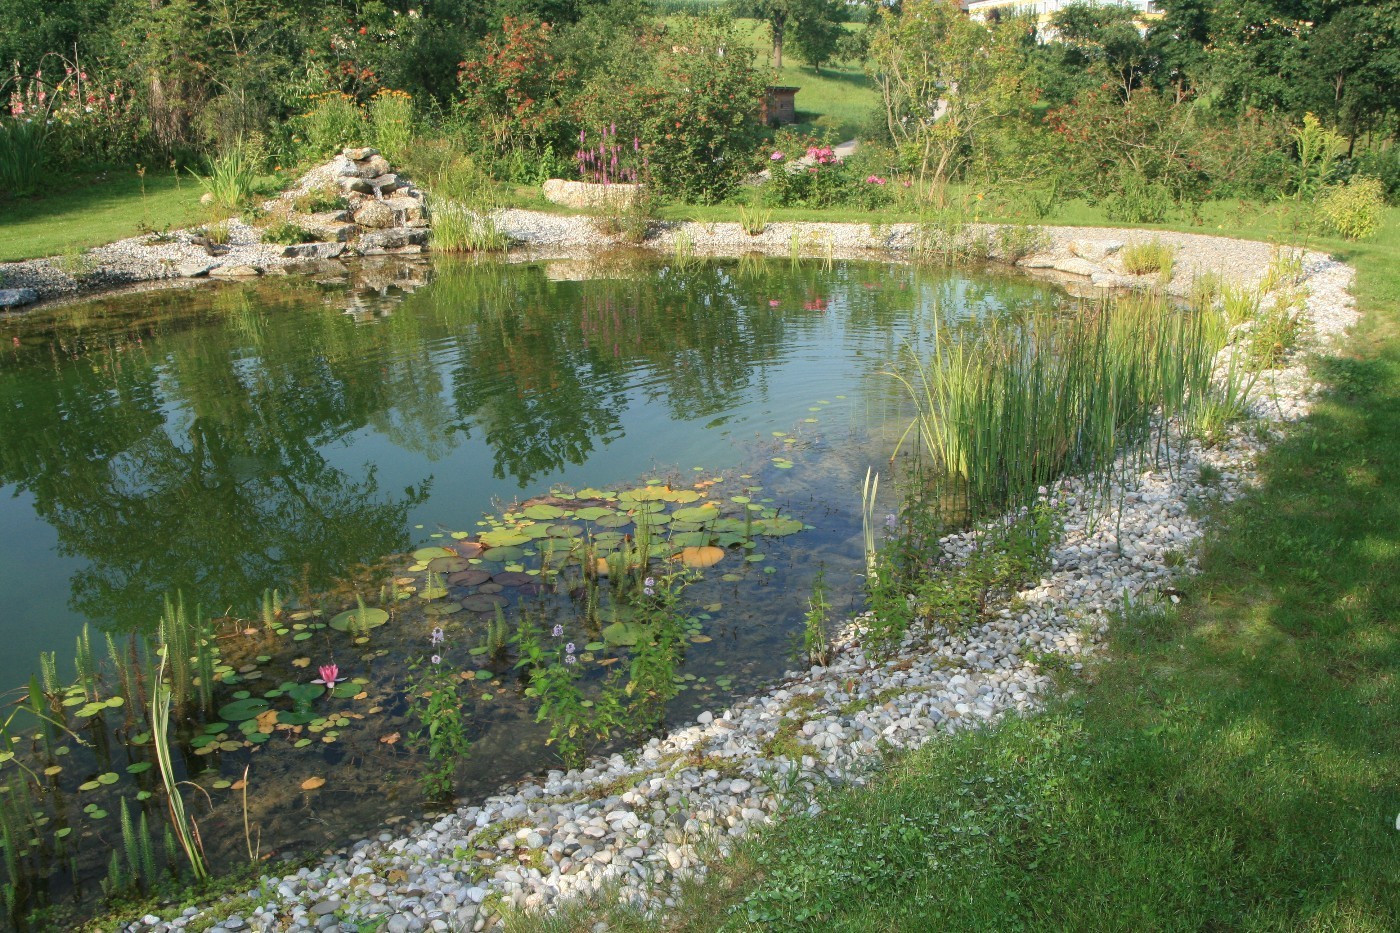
point(778, 25)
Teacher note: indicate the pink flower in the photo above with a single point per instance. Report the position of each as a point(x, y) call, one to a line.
point(874, 180)
point(776, 157)
point(773, 302)
point(330, 675)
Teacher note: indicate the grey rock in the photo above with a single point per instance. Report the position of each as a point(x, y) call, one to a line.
point(194, 269)
point(375, 215)
point(314, 251)
point(236, 271)
point(17, 297)
point(359, 154)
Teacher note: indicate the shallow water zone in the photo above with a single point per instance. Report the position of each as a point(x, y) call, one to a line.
point(398, 451)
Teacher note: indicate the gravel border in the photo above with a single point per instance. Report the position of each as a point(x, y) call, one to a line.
point(630, 826)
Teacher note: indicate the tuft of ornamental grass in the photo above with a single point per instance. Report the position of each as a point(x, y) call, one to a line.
point(231, 178)
point(1146, 258)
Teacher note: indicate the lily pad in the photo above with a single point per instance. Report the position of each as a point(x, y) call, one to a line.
point(359, 619)
point(443, 609)
point(243, 710)
point(468, 577)
point(777, 527)
point(699, 513)
point(503, 537)
point(592, 513)
point(622, 633)
point(701, 557)
point(543, 512)
point(423, 555)
point(613, 521)
point(447, 564)
point(483, 602)
point(512, 578)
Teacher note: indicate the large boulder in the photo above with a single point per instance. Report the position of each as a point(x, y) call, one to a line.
point(375, 215)
point(582, 194)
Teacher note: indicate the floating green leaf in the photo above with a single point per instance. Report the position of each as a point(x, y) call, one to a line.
point(423, 555)
point(359, 620)
point(243, 710)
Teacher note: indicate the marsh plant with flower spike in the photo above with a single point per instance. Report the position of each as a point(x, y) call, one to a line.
point(433, 696)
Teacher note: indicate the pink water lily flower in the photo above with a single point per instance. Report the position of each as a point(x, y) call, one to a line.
point(330, 675)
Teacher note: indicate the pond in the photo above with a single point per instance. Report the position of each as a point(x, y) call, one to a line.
point(465, 445)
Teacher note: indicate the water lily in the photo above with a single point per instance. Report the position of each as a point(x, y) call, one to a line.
point(330, 675)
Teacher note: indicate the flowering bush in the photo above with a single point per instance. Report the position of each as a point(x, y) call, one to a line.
point(86, 115)
point(818, 178)
point(334, 121)
point(1353, 210)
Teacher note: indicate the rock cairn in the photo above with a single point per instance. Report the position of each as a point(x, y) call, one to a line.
point(384, 213)
point(631, 826)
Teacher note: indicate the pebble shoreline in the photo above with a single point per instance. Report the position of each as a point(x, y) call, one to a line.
point(631, 825)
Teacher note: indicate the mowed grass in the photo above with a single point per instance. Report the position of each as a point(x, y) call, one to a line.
point(1232, 763)
point(92, 208)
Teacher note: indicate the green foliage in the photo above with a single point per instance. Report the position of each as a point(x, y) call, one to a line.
point(1353, 210)
point(391, 120)
point(1318, 150)
point(816, 649)
point(437, 706)
point(334, 122)
point(22, 159)
point(287, 233)
point(319, 200)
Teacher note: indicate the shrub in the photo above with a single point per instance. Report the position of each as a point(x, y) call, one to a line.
point(334, 121)
point(692, 95)
point(1145, 258)
point(1383, 164)
point(391, 122)
point(1353, 210)
point(21, 157)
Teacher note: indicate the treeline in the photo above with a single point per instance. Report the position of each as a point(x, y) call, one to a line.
point(1208, 99)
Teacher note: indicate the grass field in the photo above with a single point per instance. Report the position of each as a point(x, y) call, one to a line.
point(1232, 763)
point(90, 209)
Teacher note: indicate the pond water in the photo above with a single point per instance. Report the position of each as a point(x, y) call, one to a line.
point(312, 435)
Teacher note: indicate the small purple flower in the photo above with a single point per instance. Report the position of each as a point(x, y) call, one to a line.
point(649, 581)
point(436, 659)
point(558, 631)
point(570, 659)
point(891, 520)
point(437, 636)
point(776, 157)
point(569, 648)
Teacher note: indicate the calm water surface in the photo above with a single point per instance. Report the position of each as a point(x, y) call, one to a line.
point(228, 439)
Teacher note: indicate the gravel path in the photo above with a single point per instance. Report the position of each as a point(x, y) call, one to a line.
point(633, 824)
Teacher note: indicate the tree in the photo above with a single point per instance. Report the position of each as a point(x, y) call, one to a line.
point(816, 25)
point(943, 79)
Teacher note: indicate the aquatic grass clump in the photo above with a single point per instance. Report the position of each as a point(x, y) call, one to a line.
point(1008, 408)
point(461, 229)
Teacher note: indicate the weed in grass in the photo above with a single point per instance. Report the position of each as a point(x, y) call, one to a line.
point(320, 200)
point(1278, 330)
point(1013, 243)
point(1239, 304)
point(1206, 290)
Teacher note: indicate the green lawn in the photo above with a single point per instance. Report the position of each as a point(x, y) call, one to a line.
point(93, 208)
point(1233, 762)
point(842, 97)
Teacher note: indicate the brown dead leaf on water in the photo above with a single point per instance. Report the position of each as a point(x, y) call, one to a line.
point(360, 696)
point(312, 783)
point(389, 739)
point(301, 662)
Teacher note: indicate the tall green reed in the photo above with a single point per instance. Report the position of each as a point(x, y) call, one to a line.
point(1005, 409)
